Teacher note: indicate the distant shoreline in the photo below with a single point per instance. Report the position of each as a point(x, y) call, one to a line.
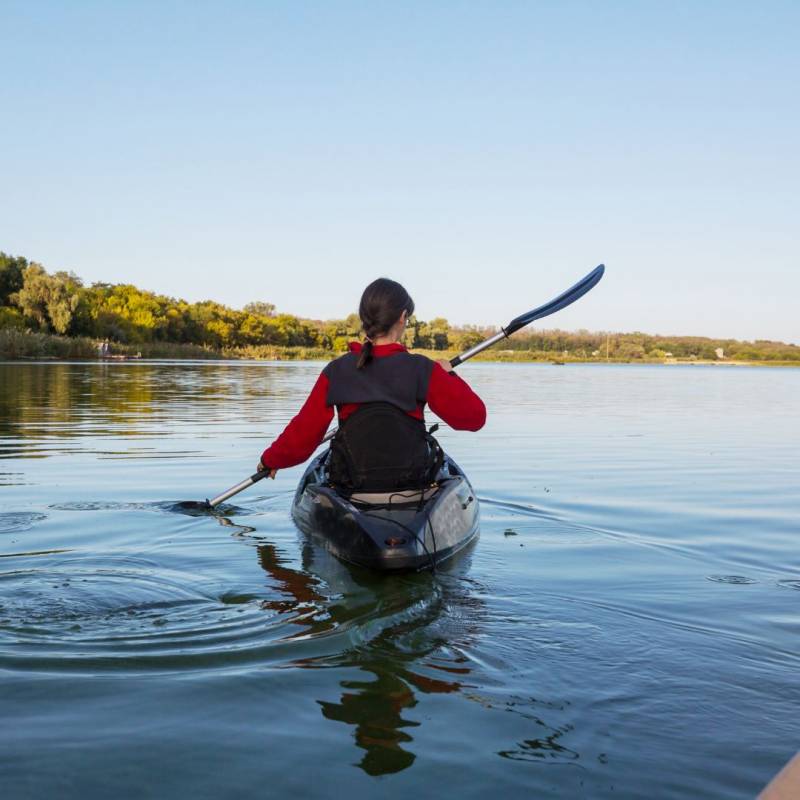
point(39, 347)
point(56, 316)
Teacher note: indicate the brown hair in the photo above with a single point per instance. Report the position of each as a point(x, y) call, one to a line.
point(382, 303)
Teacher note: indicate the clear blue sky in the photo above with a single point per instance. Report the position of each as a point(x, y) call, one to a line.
point(487, 154)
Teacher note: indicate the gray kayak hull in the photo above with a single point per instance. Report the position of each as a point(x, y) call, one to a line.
point(393, 531)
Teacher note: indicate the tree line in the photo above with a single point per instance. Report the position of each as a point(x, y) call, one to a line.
point(33, 299)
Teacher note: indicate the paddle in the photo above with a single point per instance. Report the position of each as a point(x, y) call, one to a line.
point(562, 301)
point(254, 478)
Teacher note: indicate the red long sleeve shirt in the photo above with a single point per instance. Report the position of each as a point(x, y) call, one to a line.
point(448, 396)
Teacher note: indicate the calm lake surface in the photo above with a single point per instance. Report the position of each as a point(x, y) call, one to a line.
point(627, 625)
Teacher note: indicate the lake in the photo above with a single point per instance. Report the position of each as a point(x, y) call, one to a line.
point(627, 624)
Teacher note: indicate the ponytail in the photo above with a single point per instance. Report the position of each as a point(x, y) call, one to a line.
point(366, 355)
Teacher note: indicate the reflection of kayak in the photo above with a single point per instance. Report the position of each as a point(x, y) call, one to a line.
point(403, 530)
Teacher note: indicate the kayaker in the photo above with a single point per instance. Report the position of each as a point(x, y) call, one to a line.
point(379, 391)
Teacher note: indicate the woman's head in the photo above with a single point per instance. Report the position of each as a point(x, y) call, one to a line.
point(383, 304)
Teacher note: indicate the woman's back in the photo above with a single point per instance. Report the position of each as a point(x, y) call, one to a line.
point(395, 376)
point(379, 373)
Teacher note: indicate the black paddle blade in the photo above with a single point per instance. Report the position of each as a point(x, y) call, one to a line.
point(193, 508)
point(562, 301)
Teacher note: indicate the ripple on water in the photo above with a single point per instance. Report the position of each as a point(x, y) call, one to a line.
point(192, 508)
point(739, 580)
point(15, 522)
point(127, 617)
point(124, 614)
point(95, 505)
point(790, 583)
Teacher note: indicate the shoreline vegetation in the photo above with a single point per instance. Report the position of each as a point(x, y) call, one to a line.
point(46, 316)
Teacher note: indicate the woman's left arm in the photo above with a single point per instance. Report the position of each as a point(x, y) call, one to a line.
point(304, 433)
point(451, 398)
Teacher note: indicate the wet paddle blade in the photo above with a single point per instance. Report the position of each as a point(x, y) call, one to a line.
point(193, 508)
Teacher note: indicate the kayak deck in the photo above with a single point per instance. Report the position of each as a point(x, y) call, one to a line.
point(403, 530)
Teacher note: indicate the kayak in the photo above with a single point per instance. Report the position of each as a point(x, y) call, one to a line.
point(389, 531)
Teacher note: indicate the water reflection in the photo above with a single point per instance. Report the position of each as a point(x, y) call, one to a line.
point(301, 586)
point(375, 709)
point(44, 405)
point(411, 615)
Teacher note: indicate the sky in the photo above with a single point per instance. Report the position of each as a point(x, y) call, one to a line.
point(485, 154)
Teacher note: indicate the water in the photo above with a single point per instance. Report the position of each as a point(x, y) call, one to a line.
point(627, 625)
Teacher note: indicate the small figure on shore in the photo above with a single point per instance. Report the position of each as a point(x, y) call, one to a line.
point(106, 348)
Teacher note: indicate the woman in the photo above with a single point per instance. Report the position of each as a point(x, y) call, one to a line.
point(379, 390)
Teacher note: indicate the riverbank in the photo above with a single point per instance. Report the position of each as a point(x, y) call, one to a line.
point(30, 346)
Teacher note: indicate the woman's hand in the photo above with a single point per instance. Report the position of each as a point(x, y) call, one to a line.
point(271, 473)
point(445, 365)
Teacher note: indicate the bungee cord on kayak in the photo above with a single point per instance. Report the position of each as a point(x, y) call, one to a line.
point(393, 542)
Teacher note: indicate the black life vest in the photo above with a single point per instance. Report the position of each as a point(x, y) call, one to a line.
point(379, 447)
point(400, 379)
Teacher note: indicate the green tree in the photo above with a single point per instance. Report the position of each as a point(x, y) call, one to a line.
point(253, 329)
point(352, 326)
point(11, 270)
point(464, 340)
point(629, 350)
point(48, 301)
point(439, 333)
point(11, 318)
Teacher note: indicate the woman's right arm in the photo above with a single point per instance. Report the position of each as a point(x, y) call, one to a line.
point(304, 433)
point(450, 398)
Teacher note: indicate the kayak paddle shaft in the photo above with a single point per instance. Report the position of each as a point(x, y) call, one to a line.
point(254, 478)
point(479, 348)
